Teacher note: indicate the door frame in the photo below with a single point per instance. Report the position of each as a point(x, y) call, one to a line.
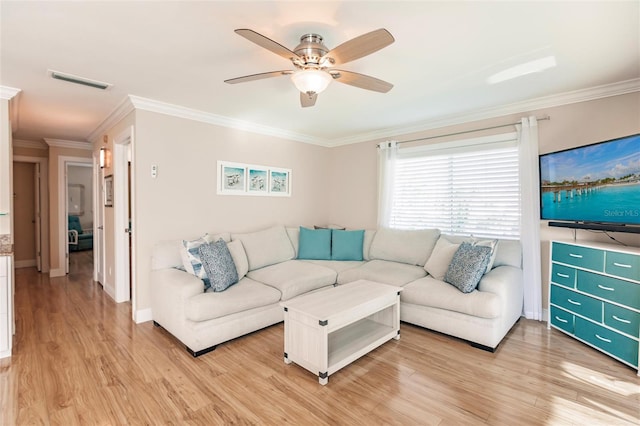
point(125, 265)
point(63, 225)
point(44, 206)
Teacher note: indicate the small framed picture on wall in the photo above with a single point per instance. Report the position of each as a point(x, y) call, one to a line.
point(258, 181)
point(108, 191)
point(280, 182)
point(232, 178)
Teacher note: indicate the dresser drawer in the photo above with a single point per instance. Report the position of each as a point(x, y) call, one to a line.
point(620, 291)
point(576, 302)
point(622, 319)
point(562, 319)
point(563, 275)
point(607, 340)
point(584, 257)
point(623, 265)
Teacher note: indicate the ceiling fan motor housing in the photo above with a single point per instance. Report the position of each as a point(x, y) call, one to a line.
point(311, 50)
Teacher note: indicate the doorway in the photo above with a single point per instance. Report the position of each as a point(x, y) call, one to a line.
point(79, 203)
point(31, 218)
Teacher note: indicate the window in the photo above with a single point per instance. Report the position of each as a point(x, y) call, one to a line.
point(465, 188)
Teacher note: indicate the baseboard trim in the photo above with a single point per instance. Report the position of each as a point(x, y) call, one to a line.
point(143, 315)
point(60, 272)
point(25, 263)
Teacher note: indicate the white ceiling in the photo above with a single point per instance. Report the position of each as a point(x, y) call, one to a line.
point(180, 52)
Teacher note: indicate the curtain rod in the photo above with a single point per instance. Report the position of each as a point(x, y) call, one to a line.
point(546, 117)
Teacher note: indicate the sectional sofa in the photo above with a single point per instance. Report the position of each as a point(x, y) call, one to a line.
point(269, 271)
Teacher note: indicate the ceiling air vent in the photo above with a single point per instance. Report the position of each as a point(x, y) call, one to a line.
point(79, 80)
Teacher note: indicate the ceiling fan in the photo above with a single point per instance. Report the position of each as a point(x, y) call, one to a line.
point(314, 62)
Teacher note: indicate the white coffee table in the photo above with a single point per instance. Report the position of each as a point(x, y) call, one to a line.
point(328, 329)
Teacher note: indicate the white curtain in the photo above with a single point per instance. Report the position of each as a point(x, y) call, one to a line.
point(530, 219)
point(387, 152)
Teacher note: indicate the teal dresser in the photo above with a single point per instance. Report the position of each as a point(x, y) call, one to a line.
point(594, 296)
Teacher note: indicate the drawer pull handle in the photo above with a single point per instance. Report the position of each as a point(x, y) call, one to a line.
point(615, 317)
point(562, 275)
point(606, 288)
point(561, 320)
point(603, 339)
point(574, 302)
point(577, 256)
point(621, 265)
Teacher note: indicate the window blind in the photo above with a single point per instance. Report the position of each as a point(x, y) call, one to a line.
point(469, 191)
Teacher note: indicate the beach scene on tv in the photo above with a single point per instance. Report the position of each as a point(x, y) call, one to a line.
point(596, 183)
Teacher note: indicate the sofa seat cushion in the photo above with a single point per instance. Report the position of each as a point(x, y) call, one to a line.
point(337, 265)
point(428, 291)
point(246, 294)
point(383, 271)
point(294, 277)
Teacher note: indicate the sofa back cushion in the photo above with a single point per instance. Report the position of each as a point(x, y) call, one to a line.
point(239, 257)
point(366, 243)
point(266, 247)
point(405, 246)
point(508, 253)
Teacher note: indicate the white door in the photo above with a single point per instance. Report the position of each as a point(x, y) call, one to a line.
point(123, 232)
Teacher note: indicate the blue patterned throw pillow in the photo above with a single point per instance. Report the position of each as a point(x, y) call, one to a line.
point(191, 258)
point(468, 265)
point(218, 264)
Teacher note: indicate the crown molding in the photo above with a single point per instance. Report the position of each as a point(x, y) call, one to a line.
point(19, 143)
point(60, 143)
point(8, 92)
point(119, 113)
point(133, 102)
point(566, 98)
point(206, 117)
point(13, 96)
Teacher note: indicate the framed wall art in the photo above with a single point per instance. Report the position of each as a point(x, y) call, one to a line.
point(280, 182)
point(258, 181)
point(251, 179)
point(232, 178)
point(108, 191)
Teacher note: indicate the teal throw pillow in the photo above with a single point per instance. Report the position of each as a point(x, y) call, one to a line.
point(314, 244)
point(347, 245)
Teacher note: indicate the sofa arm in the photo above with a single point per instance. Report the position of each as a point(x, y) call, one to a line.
point(171, 288)
point(506, 282)
point(499, 280)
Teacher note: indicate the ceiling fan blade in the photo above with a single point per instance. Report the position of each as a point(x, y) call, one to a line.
point(267, 43)
point(360, 46)
point(308, 99)
point(260, 76)
point(362, 81)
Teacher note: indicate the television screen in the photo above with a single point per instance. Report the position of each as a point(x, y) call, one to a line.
point(598, 183)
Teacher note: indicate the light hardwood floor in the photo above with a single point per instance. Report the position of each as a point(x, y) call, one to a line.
point(78, 359)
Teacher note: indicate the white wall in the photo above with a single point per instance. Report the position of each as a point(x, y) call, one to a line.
point(181, 202)
point(337, 185)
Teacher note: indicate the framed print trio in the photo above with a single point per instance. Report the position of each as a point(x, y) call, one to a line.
point(250, 179)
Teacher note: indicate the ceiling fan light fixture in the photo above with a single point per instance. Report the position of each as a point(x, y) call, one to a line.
point(311, 80)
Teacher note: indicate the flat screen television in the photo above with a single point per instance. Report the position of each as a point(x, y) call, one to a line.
point(594, 186)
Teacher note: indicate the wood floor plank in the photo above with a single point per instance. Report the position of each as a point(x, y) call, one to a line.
point(78, 359)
